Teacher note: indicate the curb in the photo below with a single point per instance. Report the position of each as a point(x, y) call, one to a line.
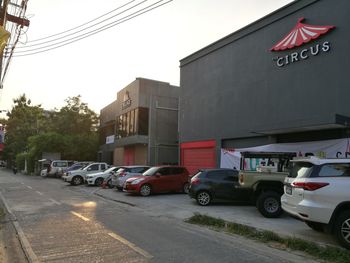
point(26, 247)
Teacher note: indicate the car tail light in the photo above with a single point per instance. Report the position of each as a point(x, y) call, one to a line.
point(241, 180)
point(195, 181)
point(309, 186)
point(122, 174)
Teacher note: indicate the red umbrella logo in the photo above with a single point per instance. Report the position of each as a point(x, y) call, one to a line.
point(300, 34)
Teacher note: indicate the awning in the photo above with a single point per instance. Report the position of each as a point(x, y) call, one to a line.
point(300, 34)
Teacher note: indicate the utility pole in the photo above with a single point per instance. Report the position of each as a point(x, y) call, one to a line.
point(4, 17)
point(3, 24)
point(4, 5)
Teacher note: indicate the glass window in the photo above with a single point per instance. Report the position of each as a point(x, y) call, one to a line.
point(335, 170)
point(301, 170)
point(139, 169)
point(217, 175)
point(151, 171)
point(143, 121)
point(136, 121)
point(93, 167)
point(177, 170)
point(231, 176)
point(132, 122)
point(127, 124)
point(165, 171)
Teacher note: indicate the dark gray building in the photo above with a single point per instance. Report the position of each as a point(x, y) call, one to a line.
point(141, 125)
point(279, 79)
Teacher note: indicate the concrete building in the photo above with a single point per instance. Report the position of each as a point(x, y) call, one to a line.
point(281, 79)
point(141, 125)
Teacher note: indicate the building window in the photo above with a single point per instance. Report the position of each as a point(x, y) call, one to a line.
point(134, 122)
point(142, 127)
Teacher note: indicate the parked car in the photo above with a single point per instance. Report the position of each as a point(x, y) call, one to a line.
point(126, 172)
point(217, 184)
point(317, 192)
point(159, 179)
point(56, 167)
point(267, 181)
point(98, 178)
point(78, 176)
point(75, 166)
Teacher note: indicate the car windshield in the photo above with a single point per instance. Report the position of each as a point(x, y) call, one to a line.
point(301, 170)
point(111, 169)
point(197, 174)
point(151, 171)
point(120, 170)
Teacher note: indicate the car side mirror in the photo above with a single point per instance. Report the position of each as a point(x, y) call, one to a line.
point(158, 175)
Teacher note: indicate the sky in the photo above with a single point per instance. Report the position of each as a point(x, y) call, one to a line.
point(97, 67)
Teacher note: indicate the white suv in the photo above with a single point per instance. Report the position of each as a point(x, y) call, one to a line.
point(317, 191)
point(77, 177)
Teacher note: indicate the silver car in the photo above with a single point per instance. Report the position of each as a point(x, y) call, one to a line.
point(126, 172)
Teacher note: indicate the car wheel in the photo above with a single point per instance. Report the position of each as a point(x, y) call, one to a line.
point(319, 227)
point(342, 229)
point(109, 183)
point(98, 181)
point(203, 198)
point(76, 180)
point(186, 188)
point(145, 190)
point(269, 204)
point(119, 188)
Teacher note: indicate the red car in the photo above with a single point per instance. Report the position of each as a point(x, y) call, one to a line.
point(159, 179)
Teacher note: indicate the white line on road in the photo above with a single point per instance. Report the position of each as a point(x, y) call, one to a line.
point(80, 216)
point(54, 201)
point(40, 193)
point(29, 187)
point(131, 245)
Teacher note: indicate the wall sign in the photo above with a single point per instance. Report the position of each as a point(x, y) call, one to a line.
point(300, 34)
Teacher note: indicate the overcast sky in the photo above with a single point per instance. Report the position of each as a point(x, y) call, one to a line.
point(147, 46)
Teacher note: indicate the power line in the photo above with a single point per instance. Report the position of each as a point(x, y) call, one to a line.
point(84, 24)
point(93, 32)
point(15, 38)
point(71, 34)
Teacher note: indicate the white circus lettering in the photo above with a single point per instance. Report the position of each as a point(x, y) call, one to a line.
point(303, 54)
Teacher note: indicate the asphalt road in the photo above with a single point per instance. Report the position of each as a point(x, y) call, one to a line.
point(63, 223)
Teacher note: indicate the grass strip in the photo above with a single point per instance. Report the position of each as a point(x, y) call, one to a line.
point(327, 253)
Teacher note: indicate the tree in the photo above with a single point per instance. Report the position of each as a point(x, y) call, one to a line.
point(23, 122)
point(30, 131)
point(75, 118)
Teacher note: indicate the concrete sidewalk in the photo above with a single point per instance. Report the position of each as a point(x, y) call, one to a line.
point(181, 206)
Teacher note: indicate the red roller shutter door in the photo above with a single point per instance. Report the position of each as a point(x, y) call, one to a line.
point(198, 155)
point(129, 156)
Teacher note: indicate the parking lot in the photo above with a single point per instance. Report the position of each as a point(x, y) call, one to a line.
point(97, 219)
point(181, 206)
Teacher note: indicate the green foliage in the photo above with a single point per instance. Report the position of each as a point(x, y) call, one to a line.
point(30, 131)
point(22, 123)
point(75, 118)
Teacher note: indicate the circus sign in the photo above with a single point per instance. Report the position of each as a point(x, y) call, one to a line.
point(301, 34)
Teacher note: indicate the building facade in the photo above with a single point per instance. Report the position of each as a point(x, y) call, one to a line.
point(141, 125)
point(281, 79)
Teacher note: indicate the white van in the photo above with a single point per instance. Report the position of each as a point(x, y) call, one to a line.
point(56, 167)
